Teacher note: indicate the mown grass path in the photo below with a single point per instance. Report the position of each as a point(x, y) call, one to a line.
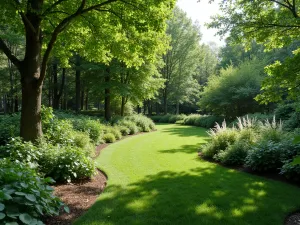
point(157, 178)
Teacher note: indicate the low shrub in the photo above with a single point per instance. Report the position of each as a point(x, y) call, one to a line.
point(64, 163)
point(271, 131)
point(290, 171)
point(221, 138)
point(92, 127)
point(109, 138)
point(144, 123)
point(191, 119)
point(133, 129)
point(234, 154)
point(113, 130)
point(265, 156)
point(25, 197)
point(124, 130)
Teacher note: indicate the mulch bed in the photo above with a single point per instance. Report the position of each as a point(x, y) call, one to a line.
point(80, 196)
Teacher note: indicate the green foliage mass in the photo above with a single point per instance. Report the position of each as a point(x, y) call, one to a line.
point(232, 93)
point(25, 198)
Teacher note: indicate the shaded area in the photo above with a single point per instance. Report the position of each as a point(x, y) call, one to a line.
point(204, 195)
point(186, 131)
point(79, 197)
point(188, 149)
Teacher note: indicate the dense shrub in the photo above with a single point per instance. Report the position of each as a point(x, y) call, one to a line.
point(221, 138)
point(25, 197)
point(144, 123)
point(64, 163)
point(234, 154)
point(191, 119)
point(290, 171)
point(133, 129)
point(61, 162)
point(9, 127)
point(109, 138)
point(265, 156)
point(272, 131)
point(112, 130)
point(124, 130)
point(92, 127)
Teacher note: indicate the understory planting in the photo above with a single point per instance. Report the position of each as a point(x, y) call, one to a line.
point(63, 154)
point(262, 146)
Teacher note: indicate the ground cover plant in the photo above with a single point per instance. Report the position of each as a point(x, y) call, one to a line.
point(154, 175)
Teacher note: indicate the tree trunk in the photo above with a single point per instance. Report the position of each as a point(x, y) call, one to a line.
point(165, 102)
point(82, 99)
point(123, 106)
point(145, 107)
point(157, 108)
point(5, 104)
point(139, 110)
point(77, 107)
point(107, 100)
point(177, 107)
point(86, 100)
point(55, 85)
point(149, 107)
point(16, 109)
point(30, 70)
point(31, 124)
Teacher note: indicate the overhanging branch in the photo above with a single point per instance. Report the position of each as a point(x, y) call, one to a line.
point(9, 54)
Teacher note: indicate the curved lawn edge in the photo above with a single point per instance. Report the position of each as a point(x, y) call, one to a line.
point(81, 195)
point(158, 178)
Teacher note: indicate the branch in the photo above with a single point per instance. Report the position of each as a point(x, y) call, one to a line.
point(9, 54)
point(60, 27)
point(289, 6)
point(48, 10)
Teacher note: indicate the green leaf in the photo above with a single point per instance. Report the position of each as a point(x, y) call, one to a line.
point(30, 197)
point(12, 223)
point(67, 209)
point(2, 206)
point(25, 218)
point(2, 216)
point(296, 140)
point(20, 193)
point(296, 161)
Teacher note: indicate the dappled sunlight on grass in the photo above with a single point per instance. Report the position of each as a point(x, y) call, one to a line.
point(176, 189)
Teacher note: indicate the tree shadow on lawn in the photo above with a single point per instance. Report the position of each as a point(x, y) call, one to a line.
point(186, 131)
point(188, 149)
point(208, 194)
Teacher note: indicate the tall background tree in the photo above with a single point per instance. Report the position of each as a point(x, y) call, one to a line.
point(83, 26)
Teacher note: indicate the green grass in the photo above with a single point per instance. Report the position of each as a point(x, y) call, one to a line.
point(157, 178)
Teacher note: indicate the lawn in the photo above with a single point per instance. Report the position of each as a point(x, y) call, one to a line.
point(157, 178)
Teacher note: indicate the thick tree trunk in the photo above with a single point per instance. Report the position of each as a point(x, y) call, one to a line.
point(139, 109)
point(77, 107)
point(5, 104)
point(123, 106)
point(31, 124)
point(107, 100)
point(145, 107)
point(157, 108)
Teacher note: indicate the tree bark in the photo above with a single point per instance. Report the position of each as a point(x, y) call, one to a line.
point(77, 85)
point(123, 106)
point(87, 100)
point(165, 101)
point(157, 108)
point(16, 109)
point(82, 99)
point(107, 100)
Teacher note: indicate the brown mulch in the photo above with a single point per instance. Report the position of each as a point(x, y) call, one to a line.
point(80, 196)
